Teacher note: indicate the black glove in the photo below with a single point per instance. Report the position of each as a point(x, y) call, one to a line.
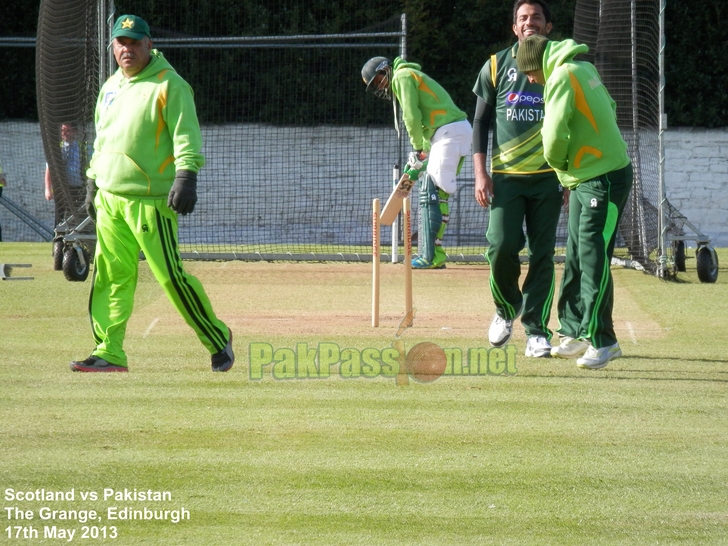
point(183, 195)
point(89, 202)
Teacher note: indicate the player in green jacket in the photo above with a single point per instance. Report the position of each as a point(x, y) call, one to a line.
point(584, 145)
point(142, 175)
point(440, 135)
point(521, 188)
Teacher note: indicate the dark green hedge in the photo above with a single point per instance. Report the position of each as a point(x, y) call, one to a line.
point(696, 64)
point(450, 38)
point(17, 77)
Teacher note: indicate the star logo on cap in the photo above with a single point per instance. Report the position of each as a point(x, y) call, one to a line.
point(127, 23)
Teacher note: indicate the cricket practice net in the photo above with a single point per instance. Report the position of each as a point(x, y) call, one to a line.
point(295, 148)
point(69, 63)
point(624, 44)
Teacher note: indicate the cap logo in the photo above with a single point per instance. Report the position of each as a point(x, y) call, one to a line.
point(127, 23)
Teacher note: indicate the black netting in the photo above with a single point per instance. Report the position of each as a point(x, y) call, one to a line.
point(295, 149)
point(624, 41)
point(68, 62)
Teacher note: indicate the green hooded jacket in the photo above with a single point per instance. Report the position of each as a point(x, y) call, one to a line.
point(580, 134)
point(426, 106)
point(146, 130)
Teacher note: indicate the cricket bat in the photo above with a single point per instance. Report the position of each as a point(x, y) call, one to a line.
point(394, 203)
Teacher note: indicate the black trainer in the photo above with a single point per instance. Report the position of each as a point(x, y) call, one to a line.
point(224, 360)
point(96, 364)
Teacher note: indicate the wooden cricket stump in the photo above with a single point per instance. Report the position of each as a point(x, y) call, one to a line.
point(407, 220)
point(375, 262)
point(403, 375)
point(376, 257)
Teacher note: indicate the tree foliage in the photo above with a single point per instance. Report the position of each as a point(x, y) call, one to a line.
point(696, 64)
point(17, 80)
point(453, 39)
point(450, 38)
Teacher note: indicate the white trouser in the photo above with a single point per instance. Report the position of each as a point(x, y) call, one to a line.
point(449, 143)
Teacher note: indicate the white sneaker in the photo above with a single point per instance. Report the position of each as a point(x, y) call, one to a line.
point(538, 347)
point(500, 331)
point(570, 347)
point(595, 359)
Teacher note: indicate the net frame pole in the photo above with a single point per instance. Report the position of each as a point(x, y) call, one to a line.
point(400, 123)
point(376, 212)
point(662, 125)
point(638, 189)
point(100, 33)
point(110, 28)
point(407, 218)
point(107, 9)
point(395, 224)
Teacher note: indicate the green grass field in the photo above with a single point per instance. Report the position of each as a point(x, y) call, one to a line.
point(636, 453)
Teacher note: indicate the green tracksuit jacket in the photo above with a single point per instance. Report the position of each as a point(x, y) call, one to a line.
point(580, 137)
point(132, 159)
point(426, 106)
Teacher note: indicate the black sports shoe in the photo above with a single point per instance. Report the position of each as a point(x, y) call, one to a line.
point(224, 360)
point(96, 364)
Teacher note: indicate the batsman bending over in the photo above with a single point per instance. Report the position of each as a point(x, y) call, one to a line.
point(440, 135)
point(145, 163)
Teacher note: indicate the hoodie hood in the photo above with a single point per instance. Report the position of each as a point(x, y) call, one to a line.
point(557, 53)
point(157, 64)
point(399, 62)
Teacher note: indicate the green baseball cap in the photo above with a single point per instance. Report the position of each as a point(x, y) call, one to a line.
point(132, 27)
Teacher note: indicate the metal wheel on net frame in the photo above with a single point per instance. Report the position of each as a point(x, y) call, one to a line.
point(707, 264)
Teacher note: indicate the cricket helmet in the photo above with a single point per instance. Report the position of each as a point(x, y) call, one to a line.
point(373, 67)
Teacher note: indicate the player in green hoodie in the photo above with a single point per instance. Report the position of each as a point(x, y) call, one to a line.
point(584, 145)
point(142, 175)
point(440, 135)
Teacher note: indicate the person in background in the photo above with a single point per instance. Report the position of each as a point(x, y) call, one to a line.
point(142, 175)
point(583, 144)
point(75, 157)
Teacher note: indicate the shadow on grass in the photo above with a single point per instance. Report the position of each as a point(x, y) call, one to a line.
point(659, 372)
point(614, 374)
point(682, 360)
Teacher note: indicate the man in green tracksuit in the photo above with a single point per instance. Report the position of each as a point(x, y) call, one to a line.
point(142, 175)
point(523, 188)
point(584, 145)
point(440, 135)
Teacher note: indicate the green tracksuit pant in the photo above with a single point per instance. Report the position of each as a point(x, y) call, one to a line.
point(537, 199)
point(587, 296)
point(124, 226)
